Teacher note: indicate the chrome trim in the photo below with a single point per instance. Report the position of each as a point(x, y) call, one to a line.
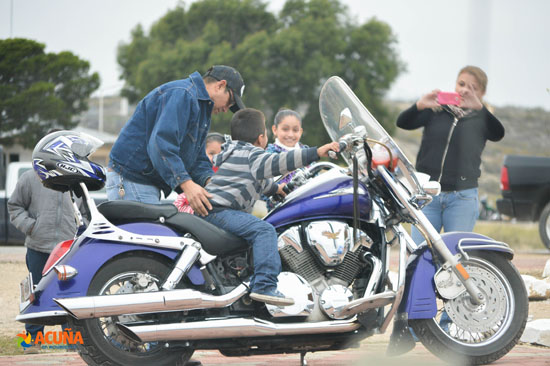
point(334, 299)
point(147, 302)
point(290, 237)
point(398, 230)
point(232, 328)
point(365, 303)
point(297, 288)
point(431, 235)
point(183, 265)
point(330, 240)
point(42, 314)
point(23, 306)
point(65, 271)
point(341, 192)
point(492, 244)
point(375, 275)
point(100, 228)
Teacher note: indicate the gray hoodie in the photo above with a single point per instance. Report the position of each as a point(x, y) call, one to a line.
point(244, 172)
point(45, 216)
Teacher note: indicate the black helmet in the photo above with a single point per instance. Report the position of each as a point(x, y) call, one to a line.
point(61, 161)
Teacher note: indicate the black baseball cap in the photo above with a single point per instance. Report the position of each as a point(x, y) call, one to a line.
point(234, 82)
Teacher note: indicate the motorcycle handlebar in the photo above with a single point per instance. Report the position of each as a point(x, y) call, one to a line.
point(343, 145)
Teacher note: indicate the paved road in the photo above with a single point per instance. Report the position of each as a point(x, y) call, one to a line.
point(371, 351)
point(368, 354)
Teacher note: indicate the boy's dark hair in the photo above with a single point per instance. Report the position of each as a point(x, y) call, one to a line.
point(247, 125)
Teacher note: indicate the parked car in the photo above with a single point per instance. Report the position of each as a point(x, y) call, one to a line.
point(525, 187)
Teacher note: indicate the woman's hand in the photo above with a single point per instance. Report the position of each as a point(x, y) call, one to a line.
point(469, 99)
point(428, 100)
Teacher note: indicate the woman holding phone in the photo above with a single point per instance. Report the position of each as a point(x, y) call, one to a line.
point(450, 152)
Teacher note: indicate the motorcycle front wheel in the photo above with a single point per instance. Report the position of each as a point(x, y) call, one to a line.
point(469, 334)
point(103, 343)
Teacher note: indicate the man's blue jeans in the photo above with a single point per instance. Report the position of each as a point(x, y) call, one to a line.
point(132, 191)
point(262, 236)
point(451, 211)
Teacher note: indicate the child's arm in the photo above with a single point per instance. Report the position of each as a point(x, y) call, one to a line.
point(269, 187)
point(264, 165)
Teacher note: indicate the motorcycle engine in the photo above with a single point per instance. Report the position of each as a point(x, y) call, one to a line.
point(322, 254)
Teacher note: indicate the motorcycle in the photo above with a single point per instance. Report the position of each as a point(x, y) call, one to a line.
point(144, 284)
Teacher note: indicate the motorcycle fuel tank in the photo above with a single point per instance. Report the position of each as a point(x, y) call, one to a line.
point(330, 195)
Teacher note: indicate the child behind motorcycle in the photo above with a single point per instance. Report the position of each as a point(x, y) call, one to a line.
point(245, 172)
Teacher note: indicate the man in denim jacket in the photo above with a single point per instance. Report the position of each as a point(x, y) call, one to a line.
point(162, 146)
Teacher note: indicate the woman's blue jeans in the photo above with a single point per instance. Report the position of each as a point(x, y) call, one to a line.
point(262, 236)
point(132, 191)
point(451, 211)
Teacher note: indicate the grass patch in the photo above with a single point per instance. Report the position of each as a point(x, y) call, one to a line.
point(522, 236)
point(9, 347)
point(519, 235)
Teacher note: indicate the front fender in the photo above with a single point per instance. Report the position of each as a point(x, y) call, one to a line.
point(419, 300)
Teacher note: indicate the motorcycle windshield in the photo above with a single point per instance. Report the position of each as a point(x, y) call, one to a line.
point(341, 112)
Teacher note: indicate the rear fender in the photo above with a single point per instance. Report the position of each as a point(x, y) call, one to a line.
point(419, 299)
point(87, 257)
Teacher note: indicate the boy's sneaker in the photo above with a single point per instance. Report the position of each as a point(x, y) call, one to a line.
point(273, 297)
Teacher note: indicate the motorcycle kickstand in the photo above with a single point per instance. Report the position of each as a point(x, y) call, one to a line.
point(303, 361)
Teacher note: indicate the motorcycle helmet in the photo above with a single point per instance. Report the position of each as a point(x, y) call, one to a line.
point(61, 161)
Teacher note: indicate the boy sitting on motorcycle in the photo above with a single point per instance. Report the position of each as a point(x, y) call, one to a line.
point(244, 173)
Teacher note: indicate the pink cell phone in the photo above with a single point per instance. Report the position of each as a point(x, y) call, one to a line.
point(448, 98)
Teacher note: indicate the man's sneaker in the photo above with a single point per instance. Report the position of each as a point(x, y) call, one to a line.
point(273, 297)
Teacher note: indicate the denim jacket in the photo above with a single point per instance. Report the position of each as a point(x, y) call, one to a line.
point(163, 143)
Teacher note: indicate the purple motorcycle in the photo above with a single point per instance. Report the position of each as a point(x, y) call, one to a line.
point(144, 284)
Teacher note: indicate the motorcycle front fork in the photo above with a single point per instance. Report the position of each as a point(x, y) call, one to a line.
point(434, 240)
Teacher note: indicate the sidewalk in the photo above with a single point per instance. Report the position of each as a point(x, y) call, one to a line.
point(368, 354)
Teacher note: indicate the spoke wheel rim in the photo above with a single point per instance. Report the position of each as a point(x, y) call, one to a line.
point(122, 284)
point(478, 325)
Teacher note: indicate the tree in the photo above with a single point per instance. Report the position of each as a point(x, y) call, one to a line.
point(284, 59)
point(39, 91)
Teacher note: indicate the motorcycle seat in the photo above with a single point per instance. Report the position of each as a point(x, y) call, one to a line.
point(214, 240)
point(116, 211)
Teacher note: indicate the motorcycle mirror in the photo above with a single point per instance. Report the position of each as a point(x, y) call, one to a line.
point(432, 188)
point(345, 118)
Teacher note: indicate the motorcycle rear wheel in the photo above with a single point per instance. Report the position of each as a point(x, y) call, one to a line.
point(479, 334)
point(104, 344)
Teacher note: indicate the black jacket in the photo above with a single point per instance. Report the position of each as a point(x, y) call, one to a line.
point(461, 168)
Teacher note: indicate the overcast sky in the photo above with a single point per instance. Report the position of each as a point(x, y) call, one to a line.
point(509, 39)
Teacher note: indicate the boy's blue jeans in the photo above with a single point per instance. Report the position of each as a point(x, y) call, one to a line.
point(261, 236)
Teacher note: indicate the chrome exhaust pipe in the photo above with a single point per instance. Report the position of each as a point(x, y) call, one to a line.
point(232, 328)
point(147, 302)
point(360, 305)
